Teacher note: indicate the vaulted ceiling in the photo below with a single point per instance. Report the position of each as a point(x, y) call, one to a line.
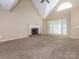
point(45, 8)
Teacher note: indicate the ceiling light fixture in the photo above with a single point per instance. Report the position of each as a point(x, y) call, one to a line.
point(64, 6)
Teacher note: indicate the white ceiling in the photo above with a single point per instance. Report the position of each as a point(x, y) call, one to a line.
point(55, 13)
point(45, 8)
point(8, 4)
point(75, 3)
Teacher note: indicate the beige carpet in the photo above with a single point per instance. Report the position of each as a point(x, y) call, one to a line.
point(40, 47)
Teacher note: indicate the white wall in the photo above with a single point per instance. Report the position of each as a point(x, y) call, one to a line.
point(75, 24)
point(15, 24)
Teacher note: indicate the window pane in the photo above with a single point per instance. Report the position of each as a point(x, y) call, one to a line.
point(57, 27)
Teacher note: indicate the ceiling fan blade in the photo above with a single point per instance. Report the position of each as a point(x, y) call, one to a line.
point(42, 1)
point(47, 1)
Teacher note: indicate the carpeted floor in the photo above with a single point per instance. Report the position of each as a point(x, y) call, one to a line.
point(40, 47)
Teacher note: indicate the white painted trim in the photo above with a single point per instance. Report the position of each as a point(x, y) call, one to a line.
point(13, 39)
point(74, 38)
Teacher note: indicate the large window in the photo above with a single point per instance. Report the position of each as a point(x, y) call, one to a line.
point(57, 27)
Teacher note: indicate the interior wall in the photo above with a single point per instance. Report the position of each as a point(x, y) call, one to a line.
point(14, 24)
point(75, 24)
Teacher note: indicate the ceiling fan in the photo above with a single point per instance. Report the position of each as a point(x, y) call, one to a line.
point(45, 0)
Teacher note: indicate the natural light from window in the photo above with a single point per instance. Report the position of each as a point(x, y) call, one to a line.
point(58, 27)
point(64, 6)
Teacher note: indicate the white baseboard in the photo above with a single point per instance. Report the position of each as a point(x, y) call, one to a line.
point(13, 39)
point(74, 38)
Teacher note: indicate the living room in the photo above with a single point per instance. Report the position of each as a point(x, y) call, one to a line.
point(39, 29)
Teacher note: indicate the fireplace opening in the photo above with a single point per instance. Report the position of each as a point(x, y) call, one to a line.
point(34, 31)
